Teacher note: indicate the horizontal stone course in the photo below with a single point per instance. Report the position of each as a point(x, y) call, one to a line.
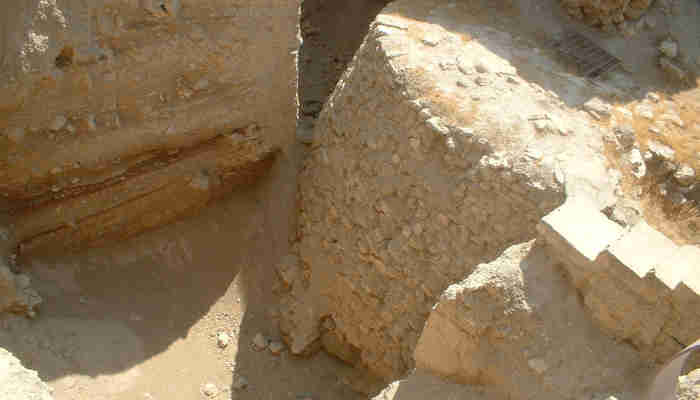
point(638, 286)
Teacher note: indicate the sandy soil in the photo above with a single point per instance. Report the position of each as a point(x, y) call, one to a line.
point(139, 320)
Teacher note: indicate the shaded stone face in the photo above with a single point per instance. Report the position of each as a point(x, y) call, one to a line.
point(112, 109)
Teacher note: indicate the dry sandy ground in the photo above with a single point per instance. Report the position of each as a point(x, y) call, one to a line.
point(139, 320)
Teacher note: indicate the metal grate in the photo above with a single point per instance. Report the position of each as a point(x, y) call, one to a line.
point(591, 59)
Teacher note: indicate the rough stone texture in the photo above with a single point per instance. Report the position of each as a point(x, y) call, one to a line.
point(421, 385)
point(515, 325)
point(99, 97)
point(16, 295)
point(19, 383)
point(606, 13)
point(689, 386)
point(416, 175)
point(638, 286)
point(144, 199)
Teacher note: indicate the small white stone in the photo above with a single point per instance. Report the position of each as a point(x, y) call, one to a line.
point(653, 97)
point(669, 48)
point(644, 111)
point(598, 106)
point(435, 123)
point(481, 68)
point(210, 390)
point(58, 123)
point(685, 175)
point(432, 40)
point(260, 342)
point(222, 340)
point(624, 112)
point(661, 151)
point(538, 365)
point(639, 169)
point(482, 81)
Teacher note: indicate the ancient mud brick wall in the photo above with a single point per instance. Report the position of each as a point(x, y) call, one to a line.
point(398, 201)
point(110, 109)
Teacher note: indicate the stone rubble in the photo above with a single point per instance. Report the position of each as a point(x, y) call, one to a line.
point(210, 390)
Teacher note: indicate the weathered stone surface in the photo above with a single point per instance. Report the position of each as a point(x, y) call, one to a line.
point(579, 234)
point(409, 184)
point(96, 95)
point(639, 287)
point(19, 383)
point(515, 326)
point(689, 386)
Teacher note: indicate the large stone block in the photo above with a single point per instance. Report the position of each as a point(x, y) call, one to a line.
point(412, 180)
point(578, 234)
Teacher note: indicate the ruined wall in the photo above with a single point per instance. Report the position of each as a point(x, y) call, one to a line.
point(637, 285)
point(399, 197)
point(606, 13)
point(110, 109)
point(516, 326)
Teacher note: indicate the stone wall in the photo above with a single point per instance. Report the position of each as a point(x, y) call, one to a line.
point(110, 109)
point(516, 326)
point(399, 197)
point(637, 285)
point(606, 13)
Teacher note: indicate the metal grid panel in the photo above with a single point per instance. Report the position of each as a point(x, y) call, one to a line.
point(590, 58)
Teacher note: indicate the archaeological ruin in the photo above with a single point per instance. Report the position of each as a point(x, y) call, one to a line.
point(324, 199)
